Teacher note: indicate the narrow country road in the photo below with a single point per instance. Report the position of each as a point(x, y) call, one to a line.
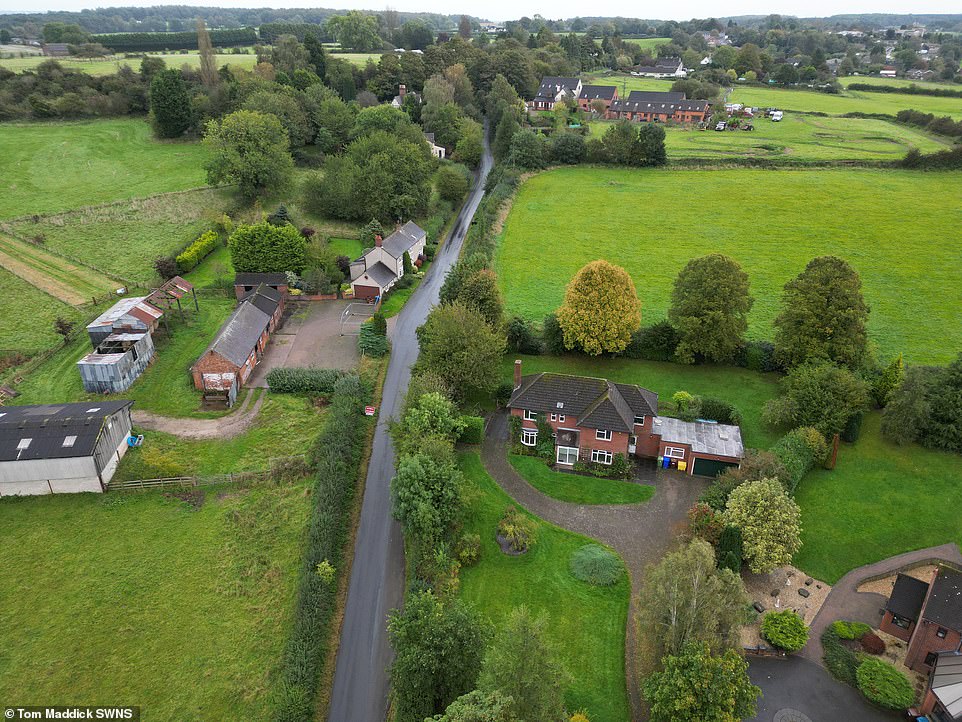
point(360, 691)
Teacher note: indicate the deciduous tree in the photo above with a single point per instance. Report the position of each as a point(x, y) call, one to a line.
point(601, 309)
point(250, 150)
point(821, 395)
point(770, 523)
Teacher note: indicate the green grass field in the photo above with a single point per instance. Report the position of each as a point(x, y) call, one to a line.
point(648, 43)
point(747, 390)
point(587, 623)
point(880, 500)
point(27, 315)
point(144, 599)
point(576, 488)
point(797, 138)
point(894, 227)
point(70, 282)
point(897, 82)
point(49, 167)
point(350, 247)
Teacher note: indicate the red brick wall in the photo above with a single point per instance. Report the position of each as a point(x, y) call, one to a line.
point(924, 640)
point(647, 442)
point(210, 363)
point(890, 627)
point(587, 440)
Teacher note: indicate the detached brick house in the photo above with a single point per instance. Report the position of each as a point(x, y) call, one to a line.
point(927, 616)
point(645, 106)
point(594, 419)
point(554, 90)
point(590, 93)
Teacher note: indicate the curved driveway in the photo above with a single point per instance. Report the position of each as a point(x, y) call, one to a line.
point(361, 681)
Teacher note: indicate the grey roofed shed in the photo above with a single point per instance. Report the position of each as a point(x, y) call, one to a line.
point(240, 333)
point(703, 437)
point(947, 682)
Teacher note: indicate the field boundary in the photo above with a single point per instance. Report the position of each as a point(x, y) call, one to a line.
point(70, 282)
point(281, 468)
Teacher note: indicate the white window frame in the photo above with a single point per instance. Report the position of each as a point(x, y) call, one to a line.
point(530, 415)
point(674, 452)
point(531, 434)
point(554, 417)
point(602, 456)
point(603, 434)
point(561, 418)
point(567, 450)
point(640, 423)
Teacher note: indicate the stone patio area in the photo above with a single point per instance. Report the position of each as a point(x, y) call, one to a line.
point(783, 588)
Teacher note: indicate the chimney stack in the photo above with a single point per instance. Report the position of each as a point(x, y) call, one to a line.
point(517, 373)
point(378, 241)
point(401, 90)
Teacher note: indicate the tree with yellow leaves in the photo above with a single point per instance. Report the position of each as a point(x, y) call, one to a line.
point(601, 309)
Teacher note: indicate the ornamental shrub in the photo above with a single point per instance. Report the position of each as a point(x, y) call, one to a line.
point(839, 659)
point(197, 251)
point(853, 428)
point(785, 630)
point(469, 550)
point(720, 410)
point(473, 432)
point(370, 342)
point(308, 381)
point(850, 630)
point(884, 685)
point(596, 565)
point(517, 528)
point(799, 450)
point(730, 549)
point(872, 643)
point(705, 523)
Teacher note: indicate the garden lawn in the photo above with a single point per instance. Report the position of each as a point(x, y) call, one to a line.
point(214, 271)
point(49, 167)
point(144, 599)
point(747, 390)
point(586, 623)
point(350, 247)
point(112, 64)
point(27, 315)
point(647, 43)
point(578, 488)
point(895, 228)
point(880, 500)
point(797, 139)
point(164, 388)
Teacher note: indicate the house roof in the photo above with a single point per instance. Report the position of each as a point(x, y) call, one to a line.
point(45, 431)
point(597, 92)
point(947, 682)
point(596, 403)
point(944, 605)
point(702, 436)
point(403, 239)
point(653, 96)
point(135, 306)
point(908, 596)
point(267, 299)
point(255, 279)
point(380, 274)
point(668, 107)
point(240, 333)
point(551, 86)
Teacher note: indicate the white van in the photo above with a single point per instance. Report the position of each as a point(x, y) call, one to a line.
point(776, 116)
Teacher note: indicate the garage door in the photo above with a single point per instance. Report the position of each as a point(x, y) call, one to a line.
point(710, 467)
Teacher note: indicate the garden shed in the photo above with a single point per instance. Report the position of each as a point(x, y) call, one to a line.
point(128, 315)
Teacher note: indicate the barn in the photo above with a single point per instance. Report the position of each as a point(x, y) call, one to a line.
point(61, 448)
point(116, 363)
point(128, 315)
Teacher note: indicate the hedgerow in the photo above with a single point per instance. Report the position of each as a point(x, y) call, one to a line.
point(309, 381)
point(197, 251)
point(799, 450)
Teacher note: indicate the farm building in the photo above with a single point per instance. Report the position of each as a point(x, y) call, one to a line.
point(169, 295)
point(56, 50)
point(663, 68)
point(380, 267)
point(116, 362)
point(244, 283)
point(646, 106)
point(128, 315)
point(61, 448)
point(606, 94)
point(238, 346)
point(554, 90)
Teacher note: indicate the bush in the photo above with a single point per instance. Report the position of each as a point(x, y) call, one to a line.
point(620, 467)
point(705, 523)
point(309, 381)
point(719, 410)
point(730, 550)
point(850, 630)
point(473, 432)
point(759, 356)
point(370, 342)
point(785, 630)
point(653, 343)
point(266, 248)
point(469, 550)
point(517, 528)
point(166, 267)
point(596, 565)
point(197, 251)
point(522, 337)
point(840, 661)
point(884, 685)
point(872, 643)
point(799, 450)
point(502, 394)
point(853, 428)
point(552, 336)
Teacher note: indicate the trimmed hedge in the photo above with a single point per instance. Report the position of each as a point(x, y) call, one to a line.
point(840, 661)
point(335, 458)
point(785, 630)
point(473, 432)
point(197, 251)
point(850, 630)
point(799, 450)
point(310, 381)
point(186, 40)
point(884, 685)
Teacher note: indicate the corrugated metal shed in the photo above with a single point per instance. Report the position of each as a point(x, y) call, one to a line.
point(117, 363)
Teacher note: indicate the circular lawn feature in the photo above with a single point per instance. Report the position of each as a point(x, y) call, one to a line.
point(596, 565)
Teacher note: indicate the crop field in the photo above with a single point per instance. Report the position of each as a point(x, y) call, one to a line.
point(27, 315)
point(179, 603)
point(50, 167)
point(797, 138)
point(894, 227)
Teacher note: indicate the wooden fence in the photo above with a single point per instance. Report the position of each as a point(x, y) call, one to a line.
point(285, 467)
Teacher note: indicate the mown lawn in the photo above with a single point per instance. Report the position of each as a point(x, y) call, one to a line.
point(179, 609)
point(894, 227)
point(586, 623)
point(796, 139)
point(577, 488)
point(215, 270)
point(50, 167)
point(881, 499)
point(350, 247)
point(747, 390)
point(27, 315)
point(164, 388)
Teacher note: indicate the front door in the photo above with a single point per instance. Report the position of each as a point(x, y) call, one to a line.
point(632, 443)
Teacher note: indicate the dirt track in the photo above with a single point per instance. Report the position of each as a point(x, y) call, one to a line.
point(225, 427)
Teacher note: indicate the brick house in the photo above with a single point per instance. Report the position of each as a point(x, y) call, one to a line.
point(646, 106)
point(939, 620)
point(590, 93)
point(554, 90)
point(379, 268)
point(594, 419)
point(238, 346)
point(904, 606)
point(244, 283)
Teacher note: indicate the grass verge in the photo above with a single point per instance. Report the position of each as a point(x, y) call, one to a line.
point(576, 488)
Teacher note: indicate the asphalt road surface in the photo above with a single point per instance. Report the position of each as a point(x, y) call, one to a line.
point(361, 682)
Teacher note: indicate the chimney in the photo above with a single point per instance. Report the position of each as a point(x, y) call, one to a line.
point(402, 89)
point(378, 241)
point(517, 373)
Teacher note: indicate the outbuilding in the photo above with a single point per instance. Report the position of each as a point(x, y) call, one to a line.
point(116, 363)
point(701, 448)
point(61, 448)
point(128, 315)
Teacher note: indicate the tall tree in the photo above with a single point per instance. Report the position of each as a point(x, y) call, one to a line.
point(507, 128)
point(171, 108)
point(478, 706)
point(823, 316)
point(316, 55)
point(208, 64)
point(709, 307)
point(426, 498)
point(464, 27)
point(818, 394)
point(250, 150)
point(770, 523)
point(480, 292)
point(601, 309)
point(288, 55)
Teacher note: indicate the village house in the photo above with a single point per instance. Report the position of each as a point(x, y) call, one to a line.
point(594, 419)
point(402, 92)
point(649, 106)
point(888, 71)
point(237, 348)
point(663, 68)
point(56, 50)
point(553, 91)
point(244, 283)
point(438, 151)
point(592, 93)
point(61, 448)
point(380, 267)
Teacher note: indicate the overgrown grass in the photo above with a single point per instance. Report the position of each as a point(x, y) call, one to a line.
point(880, 500)
point(50, 167)
point(27, 315)
point(894, 227)
point(576, 488)
point(747, 390)
point(114, 63)
point(146, 598)
point(586, 622)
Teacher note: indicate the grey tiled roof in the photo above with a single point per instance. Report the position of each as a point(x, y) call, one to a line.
point(48, 426)
point(703, 437)
point(380, 274)
point(944, 606)
point(403, 239)
point(240, 333)
point(254, 279)
point(595, 92)
point(907, 597)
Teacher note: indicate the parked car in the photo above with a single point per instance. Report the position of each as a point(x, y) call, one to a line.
point(776, 116)
point(721, 125)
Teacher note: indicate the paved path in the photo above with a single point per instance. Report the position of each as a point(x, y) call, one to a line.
point(361, 681)
point(640, 533)
point(224, 427)
point(843, 602)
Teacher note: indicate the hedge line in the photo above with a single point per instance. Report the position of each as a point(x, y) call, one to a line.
point(197, 251)
point(132, 42)
point(310, 381)
point(912, 89)
point(335, 459)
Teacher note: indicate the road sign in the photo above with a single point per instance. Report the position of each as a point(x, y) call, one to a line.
point(369, 410)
